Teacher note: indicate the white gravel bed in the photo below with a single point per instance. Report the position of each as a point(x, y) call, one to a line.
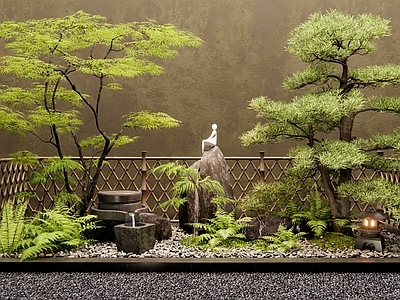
point(172, 248)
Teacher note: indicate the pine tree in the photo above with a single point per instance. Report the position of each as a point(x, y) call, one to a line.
point(328, 43)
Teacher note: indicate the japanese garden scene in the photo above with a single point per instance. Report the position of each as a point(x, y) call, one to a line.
point(335, 194)
point(77, 180)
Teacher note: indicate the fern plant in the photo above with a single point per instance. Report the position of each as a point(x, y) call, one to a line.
point(282, 241)
point(222, 231)
point(55, 229)
point(189, 181)
point(12, 226)
point(317, 215)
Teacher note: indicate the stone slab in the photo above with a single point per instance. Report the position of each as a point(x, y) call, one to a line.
point(127, 207)
point(251, 265)
point(114, 215)
point(119, 196)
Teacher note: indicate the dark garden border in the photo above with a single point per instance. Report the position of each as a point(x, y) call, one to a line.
point(307, 265)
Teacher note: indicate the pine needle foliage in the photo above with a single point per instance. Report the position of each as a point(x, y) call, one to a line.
point(12, 226)
point(371, 191)
point(281, 241)
point(221, 231)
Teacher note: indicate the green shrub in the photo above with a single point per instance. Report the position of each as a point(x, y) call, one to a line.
point(264, 197)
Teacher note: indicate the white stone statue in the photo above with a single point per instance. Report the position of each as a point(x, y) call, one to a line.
point(211, 141)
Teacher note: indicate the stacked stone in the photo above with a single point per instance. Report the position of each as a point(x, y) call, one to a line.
point(113, 209)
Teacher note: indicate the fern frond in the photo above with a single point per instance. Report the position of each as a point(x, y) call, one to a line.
point(173, 202)
point(12, 226)
point(55, 229)
point(209, 184)
point(318, 227)
point(282, 240)
point(342, 222)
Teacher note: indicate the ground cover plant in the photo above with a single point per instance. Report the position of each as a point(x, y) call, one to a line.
point(324, 117)
point(53, 57)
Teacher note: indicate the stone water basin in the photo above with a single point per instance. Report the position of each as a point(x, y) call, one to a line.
point(136, 239)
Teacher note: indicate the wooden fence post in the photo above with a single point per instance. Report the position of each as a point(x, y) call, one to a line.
point(261, 167)
point(143, 170)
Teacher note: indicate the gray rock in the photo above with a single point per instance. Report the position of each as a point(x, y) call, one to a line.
point(111, 215)
point(163, 230)
point(265, 225)
point(127, 207)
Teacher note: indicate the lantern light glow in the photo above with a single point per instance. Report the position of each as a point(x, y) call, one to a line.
point(370, 231)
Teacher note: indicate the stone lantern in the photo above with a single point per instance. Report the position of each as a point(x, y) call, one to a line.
point(370, 231)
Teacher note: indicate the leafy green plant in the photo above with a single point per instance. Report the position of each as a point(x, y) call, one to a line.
point(222, 231)
point(51, 56)
point(53, 230)
point(12, 226)
point(282, 241)
point(188, 181)
point(53, 172)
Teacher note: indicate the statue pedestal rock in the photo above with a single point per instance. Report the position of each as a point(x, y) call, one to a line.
point(211, 164)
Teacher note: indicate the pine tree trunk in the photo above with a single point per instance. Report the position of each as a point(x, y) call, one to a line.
point(340, 207)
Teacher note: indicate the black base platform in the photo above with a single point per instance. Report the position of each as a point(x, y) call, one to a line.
point(311, 265)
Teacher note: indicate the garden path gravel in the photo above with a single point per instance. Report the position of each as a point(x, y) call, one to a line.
point(193, 286)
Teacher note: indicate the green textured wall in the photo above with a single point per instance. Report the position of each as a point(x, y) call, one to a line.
point(243, 57)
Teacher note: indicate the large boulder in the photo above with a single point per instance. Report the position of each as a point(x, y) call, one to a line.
point(211, 164)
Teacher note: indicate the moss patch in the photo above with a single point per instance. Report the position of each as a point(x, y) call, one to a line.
point(334, 240)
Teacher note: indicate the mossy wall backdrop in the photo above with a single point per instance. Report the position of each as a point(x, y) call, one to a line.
point(243, 57)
